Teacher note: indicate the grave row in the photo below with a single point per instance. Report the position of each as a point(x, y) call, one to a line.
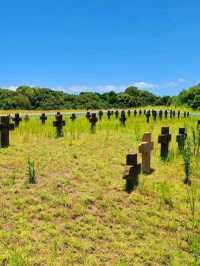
point(6, 126)
point(133, 168)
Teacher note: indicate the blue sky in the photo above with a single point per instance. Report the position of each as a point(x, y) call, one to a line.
point(100, 44)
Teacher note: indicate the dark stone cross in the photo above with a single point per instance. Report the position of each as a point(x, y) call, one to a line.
point(140, 112)
point(88, 115)
point(93, 120)
point(171, 114)
point(145, 148)
point(17, 119)
point(135, 112)
point(180, 138)
point(5, 128)
point(109, 114)
point(129, 113)
point(174, 114)
point(59, 123)
point(123, 118)
point(179, 113)
point(73, 117)
point(116, 114)
point(166, 113)
point(154, 114)
point(148, 114)
point(131, 172)
point(164, 140)
point(184, 114)
point(188, 114)
point(100, 114)
point(43, 118)
point(160, 114)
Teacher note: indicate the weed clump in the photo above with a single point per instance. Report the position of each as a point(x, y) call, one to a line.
point(31, 173)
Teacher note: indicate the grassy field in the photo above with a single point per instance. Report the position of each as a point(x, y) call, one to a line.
point(78, 212)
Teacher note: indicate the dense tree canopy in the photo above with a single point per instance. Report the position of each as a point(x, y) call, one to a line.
point(26, 97)
point(189, 97)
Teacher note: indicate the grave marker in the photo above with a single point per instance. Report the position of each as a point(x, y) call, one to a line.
point(100, 114)
point(93, 120)
point(145, 148)
point(180, 138)
point(148, 114)
point(123, 118)
point(164, 139)
point(17, 119)
point(88, 115)
point(116, 114)
point(160, 114)
point(73, 117)
point(5, 128)
point(59, 123)
point(43, 118)
point(109, 114)
point(131, 172)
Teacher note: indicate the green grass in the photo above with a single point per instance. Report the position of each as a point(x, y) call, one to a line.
point(78, 212)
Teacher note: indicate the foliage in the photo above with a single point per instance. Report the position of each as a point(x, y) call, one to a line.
point(31, 172)
point(190, 97)
point(36, 98)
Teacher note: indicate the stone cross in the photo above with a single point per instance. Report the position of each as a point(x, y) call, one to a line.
point(154, 113)
point(59, 123)
point(166, 113)
point(17, 119)
point(131, 172)
point(145, 148)
point(43, 118)
point(135, 112)
point(123, 118)
point(164, 140)
point(184, 114)
point(5, 128)
point(171, 114)
point(180, 138)
point(188, 114)
point(73, 117)
point(174, 114)
point(160, 114)
point(100, 114)
point(93, 120)
point(116, 114)
point(88, 115)
point(129, 113)
point(140, 112)
point(109, 114)
point(148, 114)
point(178, 114)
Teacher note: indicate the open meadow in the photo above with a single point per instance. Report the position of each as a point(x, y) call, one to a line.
point(78, 211)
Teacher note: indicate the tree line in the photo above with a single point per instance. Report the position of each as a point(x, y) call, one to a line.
point(36, 98)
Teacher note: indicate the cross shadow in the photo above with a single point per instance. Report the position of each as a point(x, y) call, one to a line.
point(131, 185)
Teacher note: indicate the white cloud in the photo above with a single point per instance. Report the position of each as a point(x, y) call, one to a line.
point(12, 88)
point(100, 88)
point(145, 85)
point(176, 83)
